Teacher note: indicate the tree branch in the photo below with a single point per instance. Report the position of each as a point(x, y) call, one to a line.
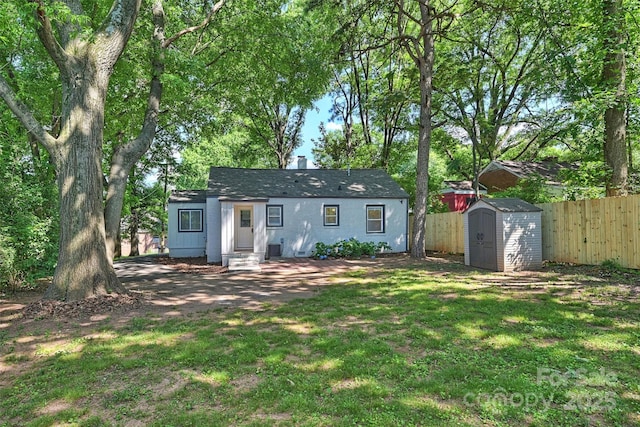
point(115, 31)
point(48, 39)
point(26, 118)
point(141, 144)
point(67, 29)
point(533, 139)
point(216, 7)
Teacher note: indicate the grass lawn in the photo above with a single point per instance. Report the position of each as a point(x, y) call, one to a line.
point(423, 345)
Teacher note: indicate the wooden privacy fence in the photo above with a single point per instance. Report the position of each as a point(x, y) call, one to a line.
point(592, 231)
point(582, 232)
point(445, 232)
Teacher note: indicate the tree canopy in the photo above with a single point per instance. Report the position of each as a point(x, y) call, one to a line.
point(102, 95)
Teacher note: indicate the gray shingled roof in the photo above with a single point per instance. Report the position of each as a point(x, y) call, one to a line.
point(461, 185)
point(247, 184)
point(188, 196)
point(511, 204)
point(548, 170)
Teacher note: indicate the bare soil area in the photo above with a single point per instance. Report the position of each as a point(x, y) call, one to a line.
point(166, 287)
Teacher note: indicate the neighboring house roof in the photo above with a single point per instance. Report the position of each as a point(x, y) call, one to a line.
point(460, 187)
point(510, 205)
point(188, 196)
point(255, 184)
point(548, 170)
point(502, 174)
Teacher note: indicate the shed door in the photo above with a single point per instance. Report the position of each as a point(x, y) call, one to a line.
point(482, 239)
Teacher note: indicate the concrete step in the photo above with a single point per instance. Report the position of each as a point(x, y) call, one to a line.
point(244, 262)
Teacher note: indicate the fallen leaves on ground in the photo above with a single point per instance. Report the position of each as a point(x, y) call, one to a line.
point(83, 308)
point(197, 265)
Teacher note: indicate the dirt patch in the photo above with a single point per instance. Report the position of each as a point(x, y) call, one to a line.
point(165, 287)
point(88, 307)
point(192, 265)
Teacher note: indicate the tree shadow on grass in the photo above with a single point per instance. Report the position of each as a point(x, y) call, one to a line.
point(413, 346)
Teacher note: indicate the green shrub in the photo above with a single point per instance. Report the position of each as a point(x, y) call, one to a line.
point(612, 266)
point(28, 217)
point(351, 248)
point(9, 274)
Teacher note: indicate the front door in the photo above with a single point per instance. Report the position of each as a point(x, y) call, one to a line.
point(244, 228)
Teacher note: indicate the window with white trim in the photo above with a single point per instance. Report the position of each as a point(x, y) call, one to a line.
point(189, 220)
point(331, 215)
point(274, 216)
point(375, 219)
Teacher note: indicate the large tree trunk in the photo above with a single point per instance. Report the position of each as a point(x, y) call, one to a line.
point(615, 151)
point(424, 61)
point(83, 267)
point(614, 79)
point(126, 156)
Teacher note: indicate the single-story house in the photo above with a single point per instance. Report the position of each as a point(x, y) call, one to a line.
point(285, 212)
point(502, 174)
point(459, 195)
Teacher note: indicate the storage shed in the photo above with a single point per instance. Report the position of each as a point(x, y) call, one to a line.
point(503, 235)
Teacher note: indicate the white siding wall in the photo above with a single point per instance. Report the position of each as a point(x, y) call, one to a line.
point(522, 237)
point(227, 236)
point(303, 224)
point(303, 227)
point(185, 244)
point(500, 243)
point(259, 229)
point(214, 251)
